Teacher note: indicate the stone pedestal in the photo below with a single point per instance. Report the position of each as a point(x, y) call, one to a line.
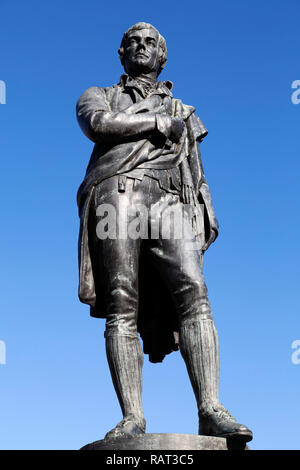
point(165, 442)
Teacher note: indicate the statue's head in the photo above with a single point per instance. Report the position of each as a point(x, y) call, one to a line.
point(143, 50)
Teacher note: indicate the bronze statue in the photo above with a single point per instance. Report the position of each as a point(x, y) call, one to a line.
point(147, 154)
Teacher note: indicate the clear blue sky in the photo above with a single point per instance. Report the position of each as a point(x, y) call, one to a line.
point(235, 62)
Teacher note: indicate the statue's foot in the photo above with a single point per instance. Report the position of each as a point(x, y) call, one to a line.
point(215, 420)
point(129, 426)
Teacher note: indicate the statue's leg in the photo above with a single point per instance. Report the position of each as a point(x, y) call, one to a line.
point(125, 359)
point(180, 264)
point(199, 348)
point(117, 273)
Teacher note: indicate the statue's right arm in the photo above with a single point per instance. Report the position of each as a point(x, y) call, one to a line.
point(98, 122)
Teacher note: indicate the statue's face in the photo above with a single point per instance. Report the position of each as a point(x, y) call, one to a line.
point(141, 54)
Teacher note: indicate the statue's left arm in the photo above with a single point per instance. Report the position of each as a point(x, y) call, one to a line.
point(205, 198)
point(196, 133)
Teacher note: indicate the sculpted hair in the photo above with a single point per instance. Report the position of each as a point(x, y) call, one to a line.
point(161, 42)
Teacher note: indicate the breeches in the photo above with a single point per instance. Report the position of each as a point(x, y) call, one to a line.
point(144, 217)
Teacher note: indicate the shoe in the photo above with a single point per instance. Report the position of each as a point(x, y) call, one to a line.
point(215, 420)
point(129, 426)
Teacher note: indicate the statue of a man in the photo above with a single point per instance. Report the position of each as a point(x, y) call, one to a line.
point(147, 155)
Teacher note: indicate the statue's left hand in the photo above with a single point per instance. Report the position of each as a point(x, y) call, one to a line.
point(213, 236)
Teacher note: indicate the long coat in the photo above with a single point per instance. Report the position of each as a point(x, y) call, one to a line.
point(98, 108)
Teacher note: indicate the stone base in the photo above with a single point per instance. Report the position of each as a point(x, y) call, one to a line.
point(165, 442)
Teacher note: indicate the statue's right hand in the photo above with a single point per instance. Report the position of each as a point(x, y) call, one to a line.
point(172, 128)
point(177, 128)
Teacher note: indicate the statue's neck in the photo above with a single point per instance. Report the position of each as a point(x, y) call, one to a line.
point(146, 80)
point(150, 78)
